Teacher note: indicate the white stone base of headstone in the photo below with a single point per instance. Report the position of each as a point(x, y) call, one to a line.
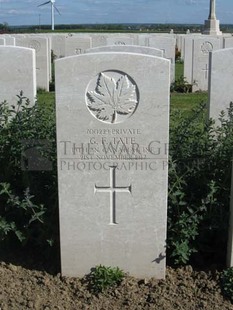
point(211, 27)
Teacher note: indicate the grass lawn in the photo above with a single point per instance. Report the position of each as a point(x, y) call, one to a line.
point(179, 70)
point(186, 102)
point(45, 98)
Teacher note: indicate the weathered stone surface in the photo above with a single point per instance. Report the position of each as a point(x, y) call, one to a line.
point(76, 45)
point(112, 135)
point(18, 73)
point(127, 49)
point(43, 58)
point(167, 44)
point(220, 82)
point(200, 67)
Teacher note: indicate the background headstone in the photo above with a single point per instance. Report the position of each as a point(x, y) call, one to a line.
point(9, 40)
point(188, 59)
point(228, 42)
point(119, 40)
point(200, 67)
point(127, 49)
point(230, 230)
point(18, 73)
point(58, 45)
point(168, 45)
point(112, 135)
point(220, 82)
point(2, 41)
point(43, 57)
point(75, 45)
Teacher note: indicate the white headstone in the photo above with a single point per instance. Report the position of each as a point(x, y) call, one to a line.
point(220, 82)
point(18, 73)
point(75, 45)
point(228, 42)
point(2, 41)
point(9, 40)
point(58, 45)
point(230, 230)
point(104, 39)
point(188, 59)
point(180, 45)
point(200, 67)
point(99, 39)
point(168, 45)
point(40, 45)
point(48, 37)
point(127, 49)
point(112, 135)
point(119, 40)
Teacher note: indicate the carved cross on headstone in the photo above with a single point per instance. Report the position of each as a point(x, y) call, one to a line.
point(206, 69)
point(112, 189)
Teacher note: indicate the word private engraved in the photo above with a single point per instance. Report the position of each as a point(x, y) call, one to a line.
point(112, 190)
point(112, 97)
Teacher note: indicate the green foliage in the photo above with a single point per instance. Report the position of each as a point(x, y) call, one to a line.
point(178, 58)
point(199, 186)
point(199, 181)
point(227, 283)
point(102, 278)
point(177, 53)
point(28, 179)
point(4, 27)
point(181, 85)
point(26, 213)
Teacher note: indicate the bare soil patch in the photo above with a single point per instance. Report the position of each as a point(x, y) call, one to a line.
point(184, 289)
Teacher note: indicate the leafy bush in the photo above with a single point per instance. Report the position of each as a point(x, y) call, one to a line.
point(199, 184)
point(24, 210)
point(227, 283)
point(28, 179)
point(199, 187)
point(102, 278)
point(177, 54)
point(181, 85)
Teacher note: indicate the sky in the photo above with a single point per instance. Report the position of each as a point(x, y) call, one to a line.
point(27, 12)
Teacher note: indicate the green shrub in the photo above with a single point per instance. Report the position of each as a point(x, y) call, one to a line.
point(199, 187)
point(28, 178)
point(177, 54)
point(227, 283)
point(180, 85)
point(25, 212)
point(102, 278)
point(199, 184)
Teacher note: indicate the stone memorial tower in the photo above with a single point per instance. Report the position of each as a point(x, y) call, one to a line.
point(212, 24)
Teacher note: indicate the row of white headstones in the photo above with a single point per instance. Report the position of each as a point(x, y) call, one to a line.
point(112, 108)
point(194, 49)
point(70, 44)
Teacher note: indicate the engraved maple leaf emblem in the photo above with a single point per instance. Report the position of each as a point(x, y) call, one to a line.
point(112, 97)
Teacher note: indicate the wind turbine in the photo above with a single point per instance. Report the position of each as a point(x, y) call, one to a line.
point(52, 10)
